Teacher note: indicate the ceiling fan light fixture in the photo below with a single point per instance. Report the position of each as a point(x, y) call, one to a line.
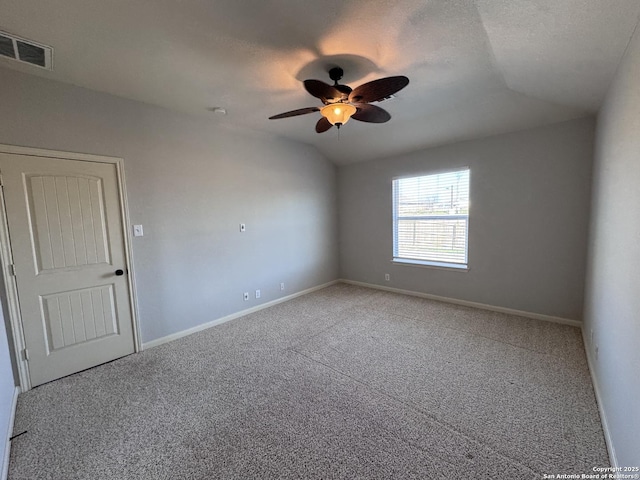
point(338, 113)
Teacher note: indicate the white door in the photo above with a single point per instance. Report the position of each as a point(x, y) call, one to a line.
point(65, 226)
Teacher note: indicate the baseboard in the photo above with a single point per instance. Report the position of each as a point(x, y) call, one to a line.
point(511, 311)
point(603, 416)
point(233, 316)
point(7, 448)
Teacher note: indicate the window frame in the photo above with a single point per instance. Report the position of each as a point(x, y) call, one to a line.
point(413, 262)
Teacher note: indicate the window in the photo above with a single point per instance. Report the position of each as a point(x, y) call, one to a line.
point(431, 219)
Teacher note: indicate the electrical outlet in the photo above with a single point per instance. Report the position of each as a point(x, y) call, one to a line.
point(387, 277)
point(245, 296)
point(282, 286)
point(243, 227)
point(257, 293)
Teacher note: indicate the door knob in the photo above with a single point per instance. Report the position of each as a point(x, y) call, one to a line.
point(119, 272)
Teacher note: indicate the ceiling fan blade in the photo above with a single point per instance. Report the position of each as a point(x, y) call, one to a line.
point(377, 90)
point(370, 113)
point(293, 113)
point(321, 90)
point(323, 125)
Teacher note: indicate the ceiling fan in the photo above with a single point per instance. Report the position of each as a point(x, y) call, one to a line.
point(341, 102)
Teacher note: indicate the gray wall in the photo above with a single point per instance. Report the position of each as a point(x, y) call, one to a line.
point(528, 220)
point(190, 182)
point(612, 307)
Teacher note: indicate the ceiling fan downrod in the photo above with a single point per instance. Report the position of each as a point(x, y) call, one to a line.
point(336, 74)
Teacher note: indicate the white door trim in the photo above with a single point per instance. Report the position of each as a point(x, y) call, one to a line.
point(6, 256)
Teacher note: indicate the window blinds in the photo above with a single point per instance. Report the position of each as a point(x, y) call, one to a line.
point(431, 219)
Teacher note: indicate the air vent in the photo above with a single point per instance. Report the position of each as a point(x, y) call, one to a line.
point(388, 97)
point(26, 51)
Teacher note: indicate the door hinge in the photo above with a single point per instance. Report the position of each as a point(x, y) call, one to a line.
point(12, 270)
point(25, 354)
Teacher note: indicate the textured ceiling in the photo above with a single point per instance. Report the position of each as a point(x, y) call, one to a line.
point(476, 67)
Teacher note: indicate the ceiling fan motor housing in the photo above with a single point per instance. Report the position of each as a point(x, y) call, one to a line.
point(336, 74)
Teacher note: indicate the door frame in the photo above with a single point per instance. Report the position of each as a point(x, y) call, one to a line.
point(7, 260)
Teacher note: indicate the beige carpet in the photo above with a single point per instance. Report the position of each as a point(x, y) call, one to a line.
point(346, 382)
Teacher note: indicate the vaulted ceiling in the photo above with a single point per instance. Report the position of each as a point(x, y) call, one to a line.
point(477, 68)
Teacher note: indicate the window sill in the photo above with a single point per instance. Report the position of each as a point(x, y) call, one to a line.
point(456, 267)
